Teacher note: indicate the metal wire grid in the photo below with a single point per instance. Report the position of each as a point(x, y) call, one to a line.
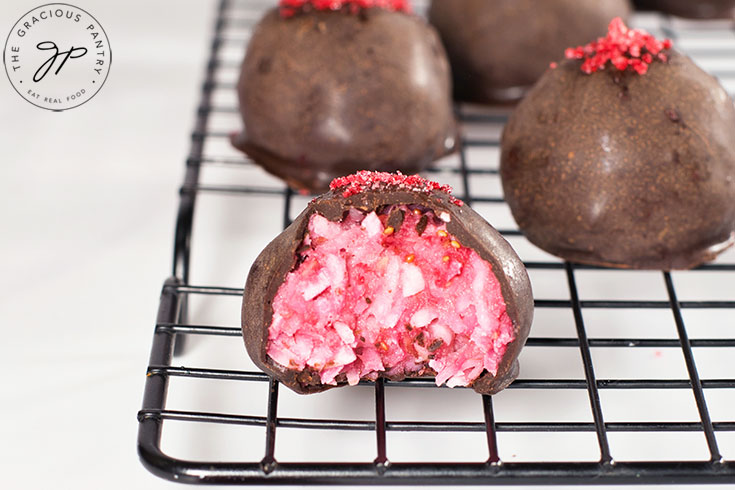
point(232, 27)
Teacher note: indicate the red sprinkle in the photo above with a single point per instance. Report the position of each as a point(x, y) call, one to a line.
point(289, 8)
point(365, 180)
point(623, 47)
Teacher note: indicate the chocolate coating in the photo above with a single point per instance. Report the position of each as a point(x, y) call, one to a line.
point(694, 9)
point(324, 94)
point(269, 271)
point(624, 170)
point(499, 49)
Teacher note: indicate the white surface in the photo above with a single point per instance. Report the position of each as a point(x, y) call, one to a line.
point(88, 207)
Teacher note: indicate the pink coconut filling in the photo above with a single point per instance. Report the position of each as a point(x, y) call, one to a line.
point(367, 299)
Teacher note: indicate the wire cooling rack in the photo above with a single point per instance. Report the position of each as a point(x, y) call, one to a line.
point(628, 376)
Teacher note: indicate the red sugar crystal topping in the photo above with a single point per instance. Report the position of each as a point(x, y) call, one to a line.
point(623, 48)
point(365, 180)
point(289, 8)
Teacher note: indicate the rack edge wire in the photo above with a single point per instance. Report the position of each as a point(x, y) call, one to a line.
point(172, 310)
point(172, 305)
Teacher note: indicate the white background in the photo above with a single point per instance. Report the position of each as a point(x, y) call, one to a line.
point(86, 227)
point(86, 230)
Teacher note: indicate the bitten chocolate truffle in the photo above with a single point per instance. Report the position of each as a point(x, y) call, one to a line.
point(695, 9)
point(498, 49)
point(623, 156)
point(328, 88)
point(387, 275)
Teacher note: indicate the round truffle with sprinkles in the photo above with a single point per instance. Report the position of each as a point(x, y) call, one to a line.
point(328, 88)
point(498, 49)
point(387, 275)
point(622, 156)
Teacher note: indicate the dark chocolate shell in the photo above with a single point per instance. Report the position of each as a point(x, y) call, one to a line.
point(325, 94)
point(498, 49)
point(624, 170)
point(695, 9)
point(269, 271)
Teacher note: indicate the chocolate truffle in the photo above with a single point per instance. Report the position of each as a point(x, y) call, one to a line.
point(387, 275)
point(623, 156)
point(328, 88)
point(499, 49)
point(695, 9)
